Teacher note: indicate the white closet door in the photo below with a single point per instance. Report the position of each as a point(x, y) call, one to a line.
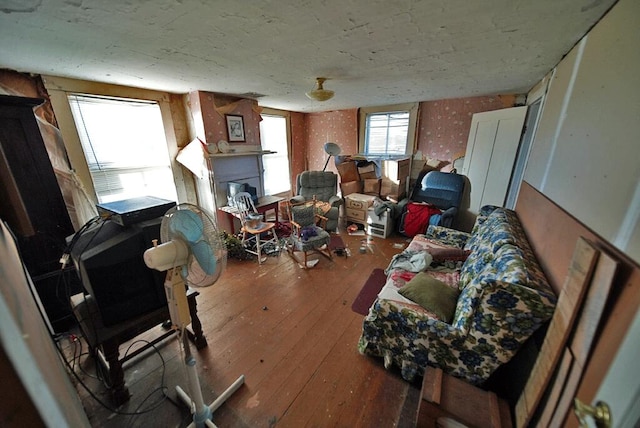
point(491, 151)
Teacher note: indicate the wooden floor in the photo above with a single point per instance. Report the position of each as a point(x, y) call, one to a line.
point(291, 333)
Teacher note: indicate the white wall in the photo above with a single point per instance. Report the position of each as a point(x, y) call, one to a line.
point(586, 158)
point(586, 152)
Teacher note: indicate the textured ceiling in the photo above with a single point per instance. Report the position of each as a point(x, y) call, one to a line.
point(374, 52)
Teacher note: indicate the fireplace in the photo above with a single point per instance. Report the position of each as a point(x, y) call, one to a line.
point(239, 167)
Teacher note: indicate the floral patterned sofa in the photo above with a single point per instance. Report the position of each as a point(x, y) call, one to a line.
point(503, 298)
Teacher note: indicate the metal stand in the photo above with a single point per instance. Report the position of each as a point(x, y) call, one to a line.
point(201, 412)
point(178, 308)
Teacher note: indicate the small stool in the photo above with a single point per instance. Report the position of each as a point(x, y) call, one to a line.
point(105, 341)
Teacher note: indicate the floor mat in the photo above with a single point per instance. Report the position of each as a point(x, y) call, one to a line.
point(336, 242)
point(369, 292)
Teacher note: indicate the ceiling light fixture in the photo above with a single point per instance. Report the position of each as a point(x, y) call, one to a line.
point(319, 93)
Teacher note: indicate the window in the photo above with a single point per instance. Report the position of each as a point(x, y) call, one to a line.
point(125, 147)
point(274, 137)
point(388, 131)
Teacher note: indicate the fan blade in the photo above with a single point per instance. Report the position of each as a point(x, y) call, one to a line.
point(203, 253)
point(187, 224)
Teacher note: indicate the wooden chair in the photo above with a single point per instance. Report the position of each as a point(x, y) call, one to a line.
point(306, 234)
point(254, 228)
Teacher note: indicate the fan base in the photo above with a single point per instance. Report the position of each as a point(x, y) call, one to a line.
point(202, 417)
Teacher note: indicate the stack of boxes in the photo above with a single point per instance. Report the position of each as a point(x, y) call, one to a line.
point(362, 182)
point(394, 179)
point(386, 179)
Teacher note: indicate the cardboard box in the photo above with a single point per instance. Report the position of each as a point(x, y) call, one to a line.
point(368, 175)
point(348, 171)
point(396, 169)
point(350, 187)
point(392, 188)
point(371, 186)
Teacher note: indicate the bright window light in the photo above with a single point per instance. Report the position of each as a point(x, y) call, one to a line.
point(125, 147)
point(273, 136)
point(386, 133)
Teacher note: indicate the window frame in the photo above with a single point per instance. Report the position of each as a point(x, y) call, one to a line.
point(59, 88)
point(411, 108)
point(287, 116)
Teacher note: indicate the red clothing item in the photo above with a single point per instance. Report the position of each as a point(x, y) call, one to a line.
point(416, 219)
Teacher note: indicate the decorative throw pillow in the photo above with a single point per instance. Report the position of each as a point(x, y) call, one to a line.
point(453, 254)
point(433, 295)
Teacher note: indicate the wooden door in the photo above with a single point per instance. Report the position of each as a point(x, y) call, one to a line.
point(491, 152)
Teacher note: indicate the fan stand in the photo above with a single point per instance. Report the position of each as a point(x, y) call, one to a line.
point(176, 292)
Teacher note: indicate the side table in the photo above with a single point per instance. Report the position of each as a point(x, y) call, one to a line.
point(356, 206)
point(104, 341)
point(263, 205)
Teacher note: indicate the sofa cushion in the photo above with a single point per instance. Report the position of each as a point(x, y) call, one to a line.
point(433, 295)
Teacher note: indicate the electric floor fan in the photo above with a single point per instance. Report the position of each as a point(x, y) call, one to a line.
point(192, 252)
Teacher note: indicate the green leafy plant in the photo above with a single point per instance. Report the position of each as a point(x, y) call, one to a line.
point(235, 250)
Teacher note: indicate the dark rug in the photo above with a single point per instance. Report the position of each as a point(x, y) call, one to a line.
point(336, 242)
point(369, 292)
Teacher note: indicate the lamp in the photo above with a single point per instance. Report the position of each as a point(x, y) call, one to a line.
point(319, 93)
point(332, 149)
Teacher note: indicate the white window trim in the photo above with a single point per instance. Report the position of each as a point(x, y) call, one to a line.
point(58, 89)
point(412, 108)
point(287, 117)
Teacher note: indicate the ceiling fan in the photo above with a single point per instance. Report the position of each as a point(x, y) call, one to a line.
point(319, 93)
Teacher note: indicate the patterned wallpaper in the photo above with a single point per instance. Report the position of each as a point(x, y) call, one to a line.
point(443, 130)
point(443, 125)
point(340, 127)
point(208, 114)
point(298, 154)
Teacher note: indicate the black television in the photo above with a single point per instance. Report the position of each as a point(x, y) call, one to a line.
point(108, 257)
point(234, 188)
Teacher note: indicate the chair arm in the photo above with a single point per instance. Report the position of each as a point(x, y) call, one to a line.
point(407, 337)
point(335, 201)
point(321, 221)
point(447, 236)
point(298, 199)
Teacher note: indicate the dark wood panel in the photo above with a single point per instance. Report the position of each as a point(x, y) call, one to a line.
point(551, 231)
point(34, 207)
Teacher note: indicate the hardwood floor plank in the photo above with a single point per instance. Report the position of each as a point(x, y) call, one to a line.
point(293, 335)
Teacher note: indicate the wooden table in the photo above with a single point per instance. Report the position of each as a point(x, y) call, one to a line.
point(263, 205)
point(105, 341)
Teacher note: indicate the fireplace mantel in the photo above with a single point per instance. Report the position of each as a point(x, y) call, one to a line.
point(240, 166)
point(235, 154)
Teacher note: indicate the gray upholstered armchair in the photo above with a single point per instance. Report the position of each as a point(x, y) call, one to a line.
point(324, 185)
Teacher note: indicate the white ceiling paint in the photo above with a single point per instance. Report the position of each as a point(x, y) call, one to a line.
point(374, 52)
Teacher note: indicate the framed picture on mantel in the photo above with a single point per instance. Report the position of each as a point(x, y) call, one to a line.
point(235, 128)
